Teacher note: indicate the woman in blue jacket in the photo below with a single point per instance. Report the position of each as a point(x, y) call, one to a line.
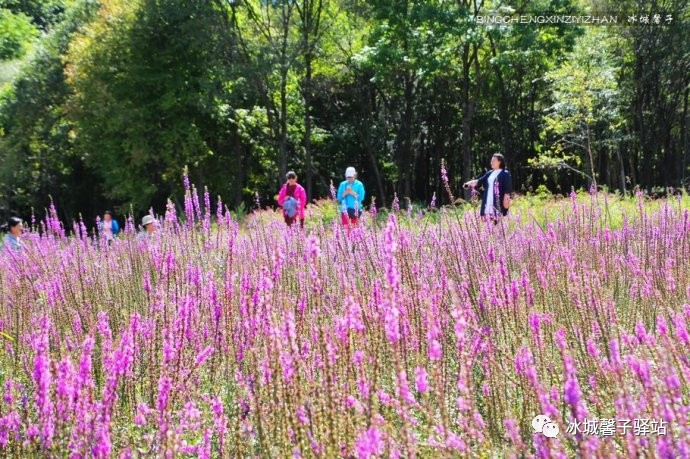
point(497, 185)
point(108, 227)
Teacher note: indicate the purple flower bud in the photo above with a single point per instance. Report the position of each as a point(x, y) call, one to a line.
point(421, 380)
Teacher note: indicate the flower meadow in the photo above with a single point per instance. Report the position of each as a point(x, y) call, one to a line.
point(436, 335)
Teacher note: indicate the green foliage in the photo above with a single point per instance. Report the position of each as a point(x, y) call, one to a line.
point(586, 115)
point(16, 34)
point(36, 150)
point(145, 94)
point(42, 13)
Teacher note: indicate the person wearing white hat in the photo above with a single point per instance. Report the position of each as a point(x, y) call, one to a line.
point(148, 224)
point(350, 197)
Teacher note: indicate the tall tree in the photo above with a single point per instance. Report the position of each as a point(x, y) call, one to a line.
point(310, 14)
point(586, 114)
point(36, 139)
point(145, 94)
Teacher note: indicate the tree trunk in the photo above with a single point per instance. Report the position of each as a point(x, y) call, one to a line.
point(685, 139)
point(310, 20)
point(239, 169)
point(307, 125)
point(468, 106)
point(621, 166)
point(406, 144)
point(377, 175)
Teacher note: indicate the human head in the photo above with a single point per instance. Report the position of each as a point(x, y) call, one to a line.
point(107, 215)
point(498, 161)
point(350, 174)
point(291, 176)
point(147, 223)
point(15, 226)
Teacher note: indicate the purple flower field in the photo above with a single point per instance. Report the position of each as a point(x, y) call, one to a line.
point(414, 336)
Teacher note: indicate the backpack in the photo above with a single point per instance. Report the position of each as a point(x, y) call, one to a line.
point(290, 206)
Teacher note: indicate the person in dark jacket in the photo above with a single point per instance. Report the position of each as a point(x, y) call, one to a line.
point(497, 184)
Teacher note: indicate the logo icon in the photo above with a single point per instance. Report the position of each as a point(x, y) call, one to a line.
point(543, 424)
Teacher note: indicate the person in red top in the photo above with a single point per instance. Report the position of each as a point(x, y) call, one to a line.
point(292, 190)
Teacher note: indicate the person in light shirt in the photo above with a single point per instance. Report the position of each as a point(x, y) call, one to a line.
point(496, 184)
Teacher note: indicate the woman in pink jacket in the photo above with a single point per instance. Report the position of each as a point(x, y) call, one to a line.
point(293, 199)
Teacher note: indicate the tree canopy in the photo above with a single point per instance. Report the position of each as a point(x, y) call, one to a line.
point(104, 103)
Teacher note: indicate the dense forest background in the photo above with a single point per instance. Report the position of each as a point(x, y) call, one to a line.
point(103, 103)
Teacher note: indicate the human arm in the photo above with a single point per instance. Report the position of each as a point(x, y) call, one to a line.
point(507, 184)
point(481, 181)
point(282, 194)
point(302, 198)
point(360, 193)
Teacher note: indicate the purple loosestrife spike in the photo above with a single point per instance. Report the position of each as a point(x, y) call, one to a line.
point(185, 178)
point(143, 412)
point(680, 329)
point(129, 225)
point(661, 325)
point(164, 388)
point(640, 332)
point(446, 184)
point(188, 209)
point(404, 388)
point(435, 350)
point(170, 214)
point(572, 393)
point(432, 204)
point(195, 204)
point(205, 448)
point(535, 325)
point(372, 208)
point(8, 396)
point(592, 349)
point(513, 433)
point(207, 204)
point(219, 213)
point(560, 339)
point(65, 390)
point(43, 379)
point(302, 416)
point(421, 382)
point(396, 203)
point(369, 443)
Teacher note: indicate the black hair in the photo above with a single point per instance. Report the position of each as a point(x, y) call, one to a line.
point(11, 223)
point(107, 212)
point(501, 159)
point(290, 175)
